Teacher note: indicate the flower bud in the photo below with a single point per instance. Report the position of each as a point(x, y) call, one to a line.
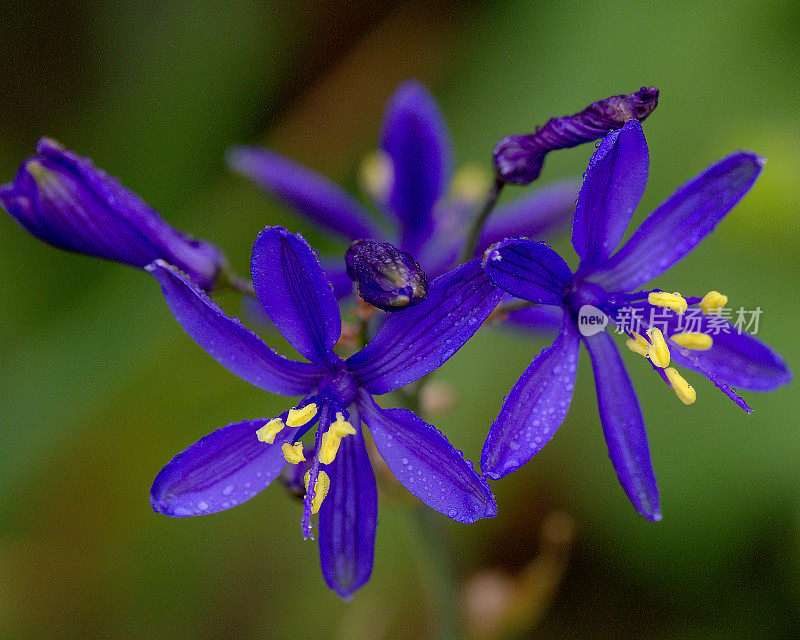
point(385, 277)
point(519, 159)
point(66, 201)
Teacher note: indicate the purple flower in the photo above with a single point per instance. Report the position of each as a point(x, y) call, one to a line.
point(538, 403)
point(66, 201)
point(410, 177)
point(233, 464)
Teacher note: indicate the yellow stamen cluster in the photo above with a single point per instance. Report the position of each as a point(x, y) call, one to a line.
point(301, 416)
point(321, 487)
point(682, 389)
point(658, 351)
point(712, 302)
point(674, 301)
point(271, 429)
point(332, 438)
point(638, 344)
point(470, 184)
point(376, 175)
point(693, 340)
point(293, 453)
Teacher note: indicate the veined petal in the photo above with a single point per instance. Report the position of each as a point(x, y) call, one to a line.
point(536, 406)
point(541, 318)
point(623, 426)
point(295, 294)
point(348, 517)
point(225, 468)
point(419, 339)
point(528, 270)
point(416, 139)
point(545, 212)
point(66, 201)
point(612, 188)
point(680, 223)
point(310, 194)
point(427, 464)
point(227, 341)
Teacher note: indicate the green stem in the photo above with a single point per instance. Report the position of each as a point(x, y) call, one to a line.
point(477, 225)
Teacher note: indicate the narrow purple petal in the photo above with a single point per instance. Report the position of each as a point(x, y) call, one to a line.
point(680, 223)
point(545, 212)
point(307, 192)
point(623, 426)
point(528, 270)
point(348, 518)
point(417, 340)
point(415, 137)
point(536, 406)
point(612, 188)
point(294, 292)
point(336, 274)
point(66, 201)
point(227, 341)
point(221, 470)
point(427, 464)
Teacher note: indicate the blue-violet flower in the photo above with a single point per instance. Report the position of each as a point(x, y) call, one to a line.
point(233, 464)
point(66, 201)
point(599, 290)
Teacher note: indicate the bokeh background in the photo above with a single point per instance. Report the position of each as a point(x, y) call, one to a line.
point(100, 387)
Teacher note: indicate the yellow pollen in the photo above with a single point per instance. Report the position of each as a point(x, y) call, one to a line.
point(271, 429)
point(470, 184)
point(638, 344)
point(693, 340)
point(299, 417)
point(321, 487)
point(293, 453)
point(658, 352)
point(674, 301)
point(376, 175)
point(682, 389)
point(332, 438)
point(712, 302)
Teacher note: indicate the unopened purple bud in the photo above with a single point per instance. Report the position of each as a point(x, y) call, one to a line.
point(66, 201)
point(385, 277)
point(519, 159)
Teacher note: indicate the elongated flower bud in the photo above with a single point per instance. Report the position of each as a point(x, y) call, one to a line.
point(519, 159)
point(385, 277)
point(66, 201)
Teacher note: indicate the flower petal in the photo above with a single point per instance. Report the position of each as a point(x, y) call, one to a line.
point(612, 188)
point(680, 223)
point(415, 137)
point(528, 270)
point(297, 297)
point(66, 201)
point(545, 212)
point(227, 341)
point(541, 318)
point(417, 340)
point(307, 192)
point(623, 426)
point(427, 464)
point(348, 518)
point(223, 469)
point(536, 406)
point(336, 274)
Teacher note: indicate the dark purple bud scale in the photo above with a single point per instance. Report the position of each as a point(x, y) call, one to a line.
point(385, 277)
point(519, 159)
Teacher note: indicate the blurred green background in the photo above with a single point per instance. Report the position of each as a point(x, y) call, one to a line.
point(100, 387)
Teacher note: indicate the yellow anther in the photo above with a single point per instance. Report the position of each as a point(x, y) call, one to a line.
point(301, 416)
point(293, 453)
point(682, 389)
point(638, 344)
point(376, 175)
point(332, 438)
point(271, 429)
point(658, 352)
point(693, 340)
point(470, 184)
point(712, 302)
point(321, 487)
point(674, 301)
